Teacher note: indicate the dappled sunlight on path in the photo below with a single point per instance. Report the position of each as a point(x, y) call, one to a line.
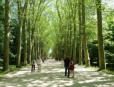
point(52, 75)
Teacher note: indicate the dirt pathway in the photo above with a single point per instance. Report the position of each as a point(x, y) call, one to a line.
point(52, 75)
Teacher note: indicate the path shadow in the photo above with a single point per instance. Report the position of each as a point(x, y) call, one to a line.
point(53, 76)
point(57, 79)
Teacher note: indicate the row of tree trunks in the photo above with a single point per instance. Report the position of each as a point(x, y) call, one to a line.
point(81, 31)
point(24, 21)
point(100, 36)
point(38, 49)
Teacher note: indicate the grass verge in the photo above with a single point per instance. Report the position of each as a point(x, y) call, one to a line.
point(12, 68)
point(107, 71)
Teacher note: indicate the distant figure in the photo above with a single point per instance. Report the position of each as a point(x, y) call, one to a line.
point(39, 62)
point(33, 66)
point(66, 65)
point(43, 60)
point(72, 68)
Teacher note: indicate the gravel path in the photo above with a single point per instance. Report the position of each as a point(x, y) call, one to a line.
point(52, 75)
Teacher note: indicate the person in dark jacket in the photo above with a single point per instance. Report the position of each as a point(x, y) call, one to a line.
point(33, 66)
point(66, 65)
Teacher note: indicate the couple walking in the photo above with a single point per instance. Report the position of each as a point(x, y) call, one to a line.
point(38, 62)
point(69, 67)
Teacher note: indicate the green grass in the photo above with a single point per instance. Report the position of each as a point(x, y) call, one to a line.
point(12, 68)
point(91, 67)
point(97, 69)
point(105, 70)
point(108, 71)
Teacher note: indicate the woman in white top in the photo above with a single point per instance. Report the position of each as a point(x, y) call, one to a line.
point(39, 62)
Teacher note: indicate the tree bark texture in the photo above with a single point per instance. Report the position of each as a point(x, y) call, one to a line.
point(80, 33)
point(100, 36)
point(19, 34)
point(29, 30)
point(25, 42)
point(86, 54)
point(24, 25)
point(74, 48)
point(6, 36)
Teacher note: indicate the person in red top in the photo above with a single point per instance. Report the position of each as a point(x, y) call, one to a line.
point(72, 68)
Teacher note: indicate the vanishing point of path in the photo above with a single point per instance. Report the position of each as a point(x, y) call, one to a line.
point(52, 75)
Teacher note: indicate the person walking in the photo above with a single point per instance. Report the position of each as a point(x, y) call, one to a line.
point(72, 68)
point(43, 60)
point(33, 66)
point(39, 62)
point(66, 65)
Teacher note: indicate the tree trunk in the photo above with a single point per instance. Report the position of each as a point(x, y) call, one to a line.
point(65, 46)
point(25, 42)
point(32, 50)
point(32, 43)
point(80, 33)
point(37, 48)
point(57, 51)
point(100, 37)
point(71, 42)
point(6, 36)
point(29, 60)
point(74, 48)
point(19, 35)
point(86, 54)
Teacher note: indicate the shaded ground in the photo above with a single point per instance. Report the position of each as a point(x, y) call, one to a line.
point(52, 75)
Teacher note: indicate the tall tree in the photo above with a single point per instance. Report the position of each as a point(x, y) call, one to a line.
point(21, 11)
point(60, 28)
point(80, 33)
point(74, 12)
point(86, 54)
point(29, 31)
point(38, 8)
point(29, 42)
point(25, 42)
point(19, 33)
point(24, 27)
point(100, 36)
point(6, 35)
